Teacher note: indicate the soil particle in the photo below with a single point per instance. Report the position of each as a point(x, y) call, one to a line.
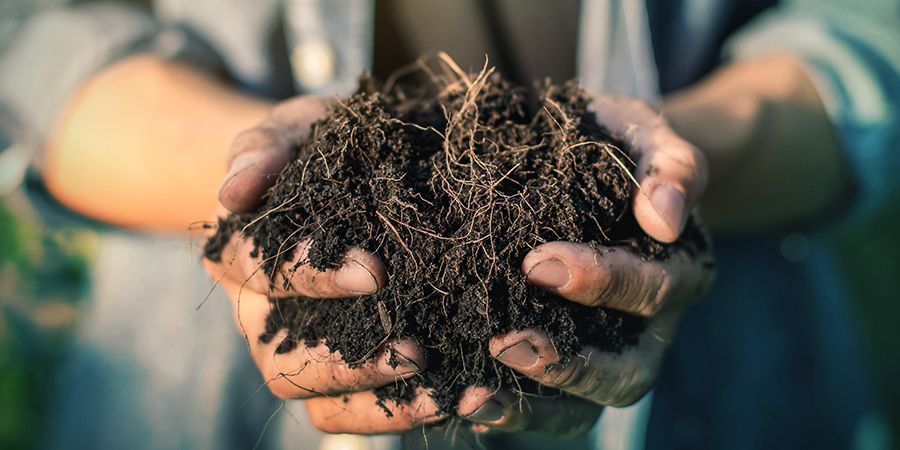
point(451, 182)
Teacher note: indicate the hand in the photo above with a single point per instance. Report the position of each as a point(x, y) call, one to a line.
point(313, 373)
point(672, 176)
point(338, 399)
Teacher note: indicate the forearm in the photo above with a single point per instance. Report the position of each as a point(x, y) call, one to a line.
point(774, 159)
point(144, 144)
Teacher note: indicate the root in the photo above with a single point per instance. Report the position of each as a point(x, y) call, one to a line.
point(451, 183)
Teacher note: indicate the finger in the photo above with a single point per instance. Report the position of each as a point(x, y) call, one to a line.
point(671, 172)
point(358, 413)
point(312, 371)
point(257, 155)
point(615, 277)
point(502, 410)
point(612, 379)
point(361, 272)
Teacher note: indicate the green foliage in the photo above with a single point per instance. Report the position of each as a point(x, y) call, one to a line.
point(42, 274)
point(871, 258)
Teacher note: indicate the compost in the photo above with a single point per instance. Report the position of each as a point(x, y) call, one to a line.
point(451, 181)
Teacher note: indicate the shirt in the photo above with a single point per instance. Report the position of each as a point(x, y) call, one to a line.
point(768, 360)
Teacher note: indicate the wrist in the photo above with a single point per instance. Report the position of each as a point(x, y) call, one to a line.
point(774, 160)
point(144, 143)
point(723, 123)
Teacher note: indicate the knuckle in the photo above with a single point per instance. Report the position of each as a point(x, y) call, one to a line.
point(245, 269)
point(579, 429)
point(655, 292)
point(251, 139)
point(626, 292)
point(573, 377)
point(281, 388)
point(684, 163)
point(319, 419)
point(630, 387)
point(270, 375)
point(686, 153)
point(284, 385)
point(253, 276)
point(696, 161)
point(212, 269)
point(606, 283)
point(407, 418)
point(614, 384)
point(603, 291)
point(341, 377)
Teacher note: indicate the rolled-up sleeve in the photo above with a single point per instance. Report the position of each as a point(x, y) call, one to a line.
point(49, 54)
point(851, 50)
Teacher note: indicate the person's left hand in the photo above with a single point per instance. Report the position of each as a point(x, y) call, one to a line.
point(672, 176)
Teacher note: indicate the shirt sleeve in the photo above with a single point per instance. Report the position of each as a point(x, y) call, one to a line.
point(51, 52)
point(851, 50)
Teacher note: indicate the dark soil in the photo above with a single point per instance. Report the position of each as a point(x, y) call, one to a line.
point(451, 183)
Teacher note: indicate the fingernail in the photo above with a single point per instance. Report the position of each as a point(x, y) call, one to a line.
point(552, 274)
point(396, 364)
point(490, 411)
point(670, 204)
point(238, 165)
point(355, 278)
point(522, 354)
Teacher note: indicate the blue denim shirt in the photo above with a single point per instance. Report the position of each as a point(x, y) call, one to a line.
point(769, 360)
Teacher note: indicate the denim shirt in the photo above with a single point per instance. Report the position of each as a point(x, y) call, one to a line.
point(768, 360)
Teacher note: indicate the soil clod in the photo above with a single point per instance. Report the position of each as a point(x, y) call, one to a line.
point(451, 182)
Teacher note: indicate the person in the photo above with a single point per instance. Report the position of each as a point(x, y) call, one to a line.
point(776, 120)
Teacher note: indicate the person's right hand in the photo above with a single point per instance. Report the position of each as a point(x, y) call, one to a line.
point(312, 373)
point(339, 399)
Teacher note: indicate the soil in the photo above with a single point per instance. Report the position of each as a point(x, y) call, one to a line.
point(451, 182)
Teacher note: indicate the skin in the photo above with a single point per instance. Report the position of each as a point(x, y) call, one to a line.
point(756, 122)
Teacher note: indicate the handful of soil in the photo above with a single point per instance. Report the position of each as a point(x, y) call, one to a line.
point(451, 184)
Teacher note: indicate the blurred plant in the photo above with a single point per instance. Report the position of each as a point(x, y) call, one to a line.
point(870, 256)
point(43, 274)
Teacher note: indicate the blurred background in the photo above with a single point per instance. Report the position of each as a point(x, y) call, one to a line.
point(45, 268)
point(44, 276)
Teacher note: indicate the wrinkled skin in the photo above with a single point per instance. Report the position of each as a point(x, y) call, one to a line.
point(672, 175)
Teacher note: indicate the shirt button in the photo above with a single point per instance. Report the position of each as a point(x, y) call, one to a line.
point(314, 63)
point(344, 442)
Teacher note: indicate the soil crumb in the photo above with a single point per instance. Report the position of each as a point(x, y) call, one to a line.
point(451, 178)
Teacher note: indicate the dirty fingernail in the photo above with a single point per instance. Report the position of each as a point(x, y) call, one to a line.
point(552, 274)
point(490, 411)
point(670, 204)
point(522, 355)
point(355, 278)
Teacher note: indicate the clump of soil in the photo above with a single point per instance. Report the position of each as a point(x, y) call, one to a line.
point(451, 184)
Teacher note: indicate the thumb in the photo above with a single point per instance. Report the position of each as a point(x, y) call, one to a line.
point(259, 154)
point(672, 173)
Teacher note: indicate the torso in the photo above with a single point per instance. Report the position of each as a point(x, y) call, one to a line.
point(533, 39)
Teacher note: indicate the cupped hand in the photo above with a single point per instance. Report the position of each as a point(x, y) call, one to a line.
point(339, 398)
point(672, 175)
